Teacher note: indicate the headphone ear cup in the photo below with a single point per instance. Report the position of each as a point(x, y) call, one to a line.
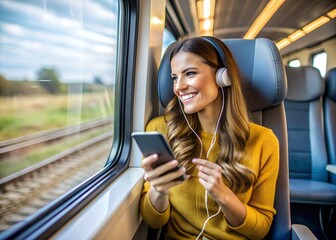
point(222, 78)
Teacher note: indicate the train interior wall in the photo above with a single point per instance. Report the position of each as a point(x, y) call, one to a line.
point(304, 55)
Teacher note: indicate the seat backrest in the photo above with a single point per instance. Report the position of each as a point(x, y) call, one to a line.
point(263, 80)
point(330, 117)
point(304, 112)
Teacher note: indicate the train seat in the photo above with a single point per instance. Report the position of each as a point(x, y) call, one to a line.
point(330, 118)
point(309, 179)
point(264, 86)
point(306, 138)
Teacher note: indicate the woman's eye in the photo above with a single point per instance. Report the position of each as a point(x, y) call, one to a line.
point(190, 74)
point(173, 78)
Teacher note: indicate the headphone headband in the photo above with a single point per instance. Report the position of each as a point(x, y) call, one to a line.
point(222, 76)
point(218, 48)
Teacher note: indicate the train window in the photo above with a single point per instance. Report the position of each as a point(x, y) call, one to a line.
point(168, 38)
point(294, 63)
point(57, 99)
point(319, 60)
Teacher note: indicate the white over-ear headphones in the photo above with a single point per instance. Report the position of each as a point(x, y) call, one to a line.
point(222, 76)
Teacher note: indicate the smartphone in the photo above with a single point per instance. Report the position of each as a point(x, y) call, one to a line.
point(154, 142)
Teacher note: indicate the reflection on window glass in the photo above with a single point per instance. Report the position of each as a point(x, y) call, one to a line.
point(168, 38)
point(320, 62)
point(57, 78)
point(294, 63)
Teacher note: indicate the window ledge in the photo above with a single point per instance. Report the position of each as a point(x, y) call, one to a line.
point(116, 206)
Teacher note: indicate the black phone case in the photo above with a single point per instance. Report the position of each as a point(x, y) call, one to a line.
point(153, 142)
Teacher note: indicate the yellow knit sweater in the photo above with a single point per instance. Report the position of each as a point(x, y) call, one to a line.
point(186, 212)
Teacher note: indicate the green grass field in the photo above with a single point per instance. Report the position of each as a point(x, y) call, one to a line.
point(23, 115)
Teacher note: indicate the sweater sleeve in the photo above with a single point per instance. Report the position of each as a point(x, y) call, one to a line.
point(260, 208)
point(150, 215)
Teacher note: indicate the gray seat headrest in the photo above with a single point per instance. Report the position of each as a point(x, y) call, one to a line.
point(305, 83)
point(260, 66)
point(331, 84)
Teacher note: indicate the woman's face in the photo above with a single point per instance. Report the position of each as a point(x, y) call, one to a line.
point(194, 83)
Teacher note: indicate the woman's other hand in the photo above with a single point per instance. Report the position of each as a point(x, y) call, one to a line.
point(210, 176)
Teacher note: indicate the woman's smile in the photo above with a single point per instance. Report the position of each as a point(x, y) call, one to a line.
point(188, 96)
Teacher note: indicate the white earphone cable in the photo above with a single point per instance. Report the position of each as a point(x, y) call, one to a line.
point(213, 141)
point(212, 216)
point(199, 139)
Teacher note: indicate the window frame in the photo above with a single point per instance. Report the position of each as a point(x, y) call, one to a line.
point(174, 23)
point(47, 220)
point(312, 56)
point(294, 59)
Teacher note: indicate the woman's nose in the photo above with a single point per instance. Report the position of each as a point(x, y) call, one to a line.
point(180, 84)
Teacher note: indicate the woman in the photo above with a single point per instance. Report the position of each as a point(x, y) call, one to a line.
point(231, 164)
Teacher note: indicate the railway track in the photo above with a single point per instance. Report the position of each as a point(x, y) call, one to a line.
point(26, 191)
point(9, 147)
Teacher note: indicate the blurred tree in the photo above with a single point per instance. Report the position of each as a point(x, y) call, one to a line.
point(49, 79)
point(98, 80)
point(3, 85)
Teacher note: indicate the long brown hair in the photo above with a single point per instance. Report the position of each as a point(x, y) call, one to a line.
point(233, 129)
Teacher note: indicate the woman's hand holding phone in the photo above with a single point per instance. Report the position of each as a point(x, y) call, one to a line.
point(163, 177)
point(162, 171)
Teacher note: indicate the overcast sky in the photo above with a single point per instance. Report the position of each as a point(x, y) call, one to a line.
point(76, 37)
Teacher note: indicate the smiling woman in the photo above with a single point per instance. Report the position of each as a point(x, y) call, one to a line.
point(78, 77)
point(57, 99)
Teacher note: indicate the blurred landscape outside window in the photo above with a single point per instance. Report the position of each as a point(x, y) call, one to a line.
point(58, 70)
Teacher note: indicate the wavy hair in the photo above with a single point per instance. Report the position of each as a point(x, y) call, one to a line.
point(233, 129)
